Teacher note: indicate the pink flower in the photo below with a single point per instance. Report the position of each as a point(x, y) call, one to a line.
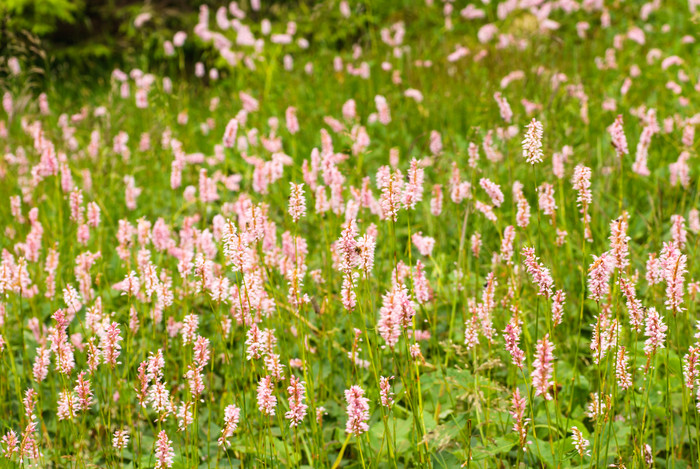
point(72, 299)
point(297, 203)
point(655, 331)
point(110, 344)
point(436, 200)
point(582, 184)
point(471, 330)
point(690, 367)
point(357, 410)
point(184, 416)
point(385, 394)
point(694, 220)
point(84, 392)
point(164, 451)
point(28, 446)
point(580, 443)
point(232, 415)
point(297, 408)
point(486, 210)
point(11, 444)
point(189, 328)
point(396, 312)
point(159, 397)
point(67, 405)
point(487, 306)
point(435, 142)
point(605, 335)
point(542, 368)
point(195, 381)
point(558, 160)
point(274, 366)
point(473, 151)
point(347, 291)
point(546, 200)
point(130, 285)
point(522, 217)
point(655, 272)
point(487, 32)
point(29, 402)
point(76, 208)
point(558, 307)
point(424, 244)
point(266, 400)
point(518, 405)
point(619, 141)
point(415, 352)
point(619, 241)
point(624, 379)
point(640, 162)
point(539, 273)
point(250, 104)
point(382, 109)
point(599, 406)
point(493, 190)
point(391, 184)
point(131, 192)
point(40, 370)
point(675, 269)
point(230, 133)
point(291, 120)
point(475, 244)
point(504, 107)
point(120, 439)
point(678, 233)
point(366, 245)
point(413, 190)
point(599, 273)
point(532, 142)
point(421, 286)
point(458, 190)
point(512, 338)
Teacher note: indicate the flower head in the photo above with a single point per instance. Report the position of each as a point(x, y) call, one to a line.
point(532, 142)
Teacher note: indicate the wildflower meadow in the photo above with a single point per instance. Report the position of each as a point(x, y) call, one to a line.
point(362, 234)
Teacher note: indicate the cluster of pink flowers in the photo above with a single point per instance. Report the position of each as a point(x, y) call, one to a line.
point(357, 410)
point(532, 142)
point(385, 394)
point(297, 203)
point(619, 141)
point(518, 407)
point(543, 366)
point(396, 313)
point(164, 451)
point(540, 274)
point(266, 399)
point(297, 408)
point(232, 414)
point(599, 274)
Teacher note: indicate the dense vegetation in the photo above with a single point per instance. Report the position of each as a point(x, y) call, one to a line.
point(372, 234)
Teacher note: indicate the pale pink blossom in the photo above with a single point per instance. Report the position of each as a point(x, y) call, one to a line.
point(543, 367)
point(357, 410)
point(532, 142)
point(164, 451)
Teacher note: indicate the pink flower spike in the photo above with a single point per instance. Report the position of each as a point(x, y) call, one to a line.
point(164, 451)
point(357, 410)
point(532, 142)
point(297, 203)
point(543, 367)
